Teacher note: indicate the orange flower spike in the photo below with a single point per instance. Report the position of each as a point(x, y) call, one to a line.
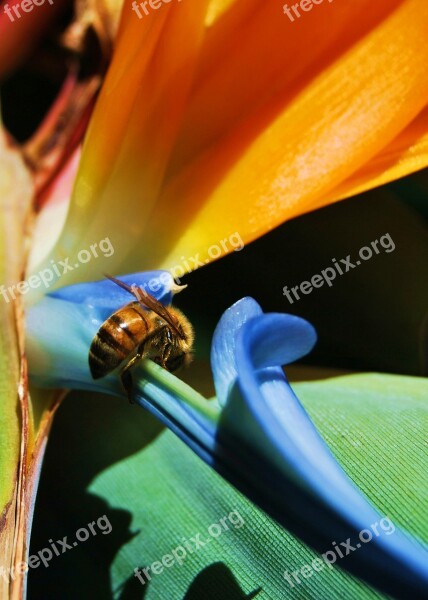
point(336, 124)
point(264, 60)
point(227, 116)
point(135, 123)
point(408, 152)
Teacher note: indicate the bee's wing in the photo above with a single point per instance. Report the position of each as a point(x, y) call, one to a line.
point(157, 307)
point(148, 301)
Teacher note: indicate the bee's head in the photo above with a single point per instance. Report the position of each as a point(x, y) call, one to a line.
point(184, 328)
point(180, 339)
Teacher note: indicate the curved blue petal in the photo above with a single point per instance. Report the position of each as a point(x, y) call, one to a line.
point(300, 340)
point(223, 353)
point(293, 474)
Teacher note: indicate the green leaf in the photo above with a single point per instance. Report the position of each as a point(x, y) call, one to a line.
point(15, 194)
point(155, 492)
point(25, 422)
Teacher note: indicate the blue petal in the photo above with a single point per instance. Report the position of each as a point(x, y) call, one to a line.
point(300, 340)
point(223, 347)
point(285, 465)
point(103, 297)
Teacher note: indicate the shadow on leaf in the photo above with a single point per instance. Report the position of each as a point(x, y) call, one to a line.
point(217, 581)
point(133, 589)
point(91, 433)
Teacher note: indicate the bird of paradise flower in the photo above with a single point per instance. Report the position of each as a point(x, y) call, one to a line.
point(205, 125)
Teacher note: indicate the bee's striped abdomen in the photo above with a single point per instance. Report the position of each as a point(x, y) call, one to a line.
point(117, 338)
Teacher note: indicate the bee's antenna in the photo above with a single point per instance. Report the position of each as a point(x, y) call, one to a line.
point(121, 284)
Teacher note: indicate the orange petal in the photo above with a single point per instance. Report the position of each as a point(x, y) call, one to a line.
point(233, 123)
point(257, 61)
point(217, 8)
point(133, 129)
point(407, 153)
point(330, 130)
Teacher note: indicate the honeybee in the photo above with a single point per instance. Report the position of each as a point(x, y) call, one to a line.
point(141, 329)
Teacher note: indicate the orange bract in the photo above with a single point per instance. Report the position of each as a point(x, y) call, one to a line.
point(225, 116)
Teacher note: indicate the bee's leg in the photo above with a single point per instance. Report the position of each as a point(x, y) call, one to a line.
point(166, 354)
point(126, 376)
point(161, 341)
point(166, 345)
